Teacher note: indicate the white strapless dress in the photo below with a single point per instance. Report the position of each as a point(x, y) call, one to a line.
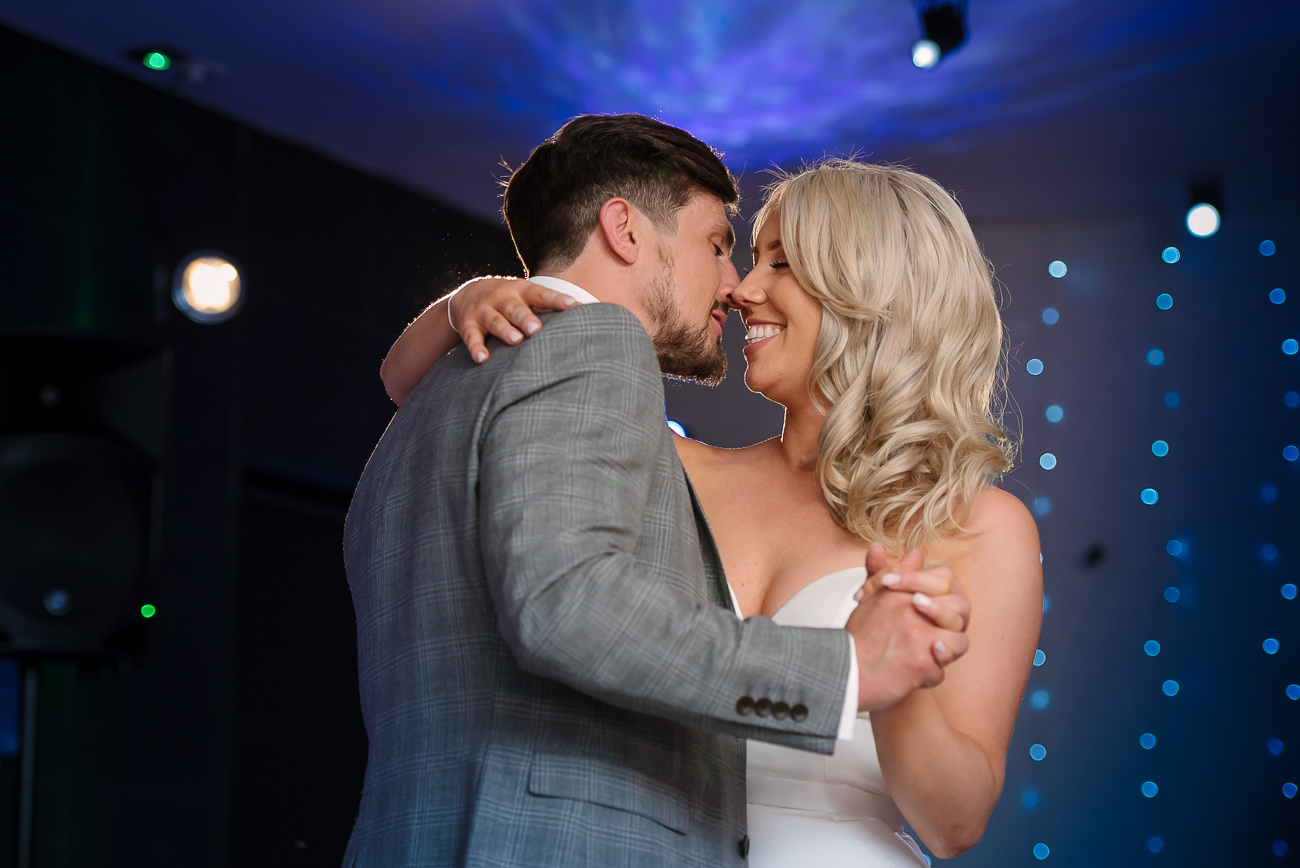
point(825, 811)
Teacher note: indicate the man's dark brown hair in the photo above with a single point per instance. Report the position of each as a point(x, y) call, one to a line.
point(552, 202)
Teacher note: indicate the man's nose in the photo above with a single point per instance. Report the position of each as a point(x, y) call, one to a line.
point(730, 280)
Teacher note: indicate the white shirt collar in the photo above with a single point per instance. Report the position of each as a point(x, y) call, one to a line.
point(570, 289)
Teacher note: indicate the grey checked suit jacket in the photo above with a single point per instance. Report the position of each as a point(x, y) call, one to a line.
point(546, 675)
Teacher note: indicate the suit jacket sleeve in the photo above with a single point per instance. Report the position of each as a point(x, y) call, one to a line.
point(569, 445)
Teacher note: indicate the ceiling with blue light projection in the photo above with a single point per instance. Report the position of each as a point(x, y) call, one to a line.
point(1063, 105)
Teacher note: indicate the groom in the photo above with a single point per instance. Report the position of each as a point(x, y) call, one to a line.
point(550, 670)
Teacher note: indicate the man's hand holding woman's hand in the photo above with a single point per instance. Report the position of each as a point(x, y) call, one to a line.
point(935, 591)
point(910, 623)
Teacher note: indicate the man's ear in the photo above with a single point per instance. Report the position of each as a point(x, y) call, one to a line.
point(620, 226)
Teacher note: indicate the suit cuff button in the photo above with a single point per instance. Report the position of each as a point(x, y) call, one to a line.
point(799, 713)
point(763, 707)
point(781, 710)
point(745, 706)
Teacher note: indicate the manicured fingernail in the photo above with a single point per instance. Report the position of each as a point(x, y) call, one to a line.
point(940, 648)
point(531, 328)
point(922, 601)
point(860, 593)
point(514, 336)
point(890, 579)
point(480, 356)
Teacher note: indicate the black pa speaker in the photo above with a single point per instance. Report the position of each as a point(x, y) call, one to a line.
point(82, 422)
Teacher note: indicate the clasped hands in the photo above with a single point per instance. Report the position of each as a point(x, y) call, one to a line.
point(909, 625)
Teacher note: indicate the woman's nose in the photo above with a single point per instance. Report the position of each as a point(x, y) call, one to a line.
point(748, 293)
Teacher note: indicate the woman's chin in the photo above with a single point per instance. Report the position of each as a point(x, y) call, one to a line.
point(755, 383)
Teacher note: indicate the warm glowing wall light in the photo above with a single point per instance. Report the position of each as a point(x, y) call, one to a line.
point(208, 288)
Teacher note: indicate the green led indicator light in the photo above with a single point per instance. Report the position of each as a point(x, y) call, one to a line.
point(157, 60)
point(147, 610)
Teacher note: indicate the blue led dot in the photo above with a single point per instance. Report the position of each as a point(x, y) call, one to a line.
point(1172, 594)
point(1293, 691)
point(1039, 657)
point(1057, 268)
point(1160, 449)
point(1288, 790)
point(1164, 301)
point(1041, 851)
point(1174, 547)
point(1047, 604)
point(1054, 413)
point(1030, 799)
point(1288, 591)
point(1149, 789)
point(1170, 687)
point(1172, 400)
point(1277, 296)
point(1152, 647)
point(1290, 453)
point(1170, 255)
point(1147, 740)
point(1037, 752)
point(1275, 746)
point(1290, 346)
point(1150, 496)
point(1268, 493)
point(1034, 367)
point(1155, 358)
point(1042, 505)
point(1279, 847)
point(1051, 316)
point(1040, 699)
point(1155, 844)
point(1291, 399)
point(1047, 461)
point(1268, 552)
point(1270, 646)
point(1267, 248)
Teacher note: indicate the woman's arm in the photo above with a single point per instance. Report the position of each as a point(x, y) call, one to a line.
point(943, 750)
point(502, 306)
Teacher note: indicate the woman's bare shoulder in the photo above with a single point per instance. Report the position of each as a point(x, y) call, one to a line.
point(994, 509)
point(1000, 528)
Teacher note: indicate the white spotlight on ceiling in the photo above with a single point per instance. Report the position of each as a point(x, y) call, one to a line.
point(1203, 220)
point(208, 287)
point(925, 54)
point(1203, 217)
point(943, 28)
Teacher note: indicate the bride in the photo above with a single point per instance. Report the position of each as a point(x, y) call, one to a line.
point(870, 316)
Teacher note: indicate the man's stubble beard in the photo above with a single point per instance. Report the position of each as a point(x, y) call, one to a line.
point(685, 352)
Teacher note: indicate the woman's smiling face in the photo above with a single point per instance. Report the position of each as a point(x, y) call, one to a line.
point(782, 322)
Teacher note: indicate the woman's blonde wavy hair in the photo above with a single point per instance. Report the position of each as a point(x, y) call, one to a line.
point(910, 352)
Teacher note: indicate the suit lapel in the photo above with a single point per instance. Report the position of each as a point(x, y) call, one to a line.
point(719, 593)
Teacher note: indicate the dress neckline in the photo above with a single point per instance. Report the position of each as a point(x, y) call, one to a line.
point(845, 573)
